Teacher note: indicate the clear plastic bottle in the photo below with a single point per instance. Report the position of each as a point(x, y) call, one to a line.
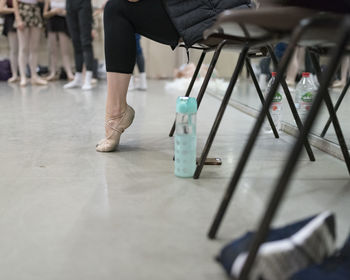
point(276, 106)
point(304, 95)
point(185, 137)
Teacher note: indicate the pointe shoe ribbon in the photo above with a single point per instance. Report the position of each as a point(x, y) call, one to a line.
point(111, 142)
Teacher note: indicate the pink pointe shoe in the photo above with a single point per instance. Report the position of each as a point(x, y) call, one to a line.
point(111, 142)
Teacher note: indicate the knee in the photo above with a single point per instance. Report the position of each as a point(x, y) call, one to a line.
point(112, 9)
point(23, 49)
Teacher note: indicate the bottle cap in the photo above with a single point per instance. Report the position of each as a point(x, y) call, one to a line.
point(274, 74)
point(306, 74)
point(186, 105)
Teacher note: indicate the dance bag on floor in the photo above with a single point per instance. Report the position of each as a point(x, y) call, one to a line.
point(5, 70)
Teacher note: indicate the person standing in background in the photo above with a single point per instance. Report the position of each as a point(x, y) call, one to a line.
point(6, 9)
point(344, 72)
point(55, 11)
point(140, 62)
point(79, 20)
point(29, 25)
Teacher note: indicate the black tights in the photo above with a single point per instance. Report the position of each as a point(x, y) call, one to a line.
point(122, 19)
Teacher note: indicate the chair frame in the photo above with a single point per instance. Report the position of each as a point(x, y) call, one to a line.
point(243, 58)
point(282, 183)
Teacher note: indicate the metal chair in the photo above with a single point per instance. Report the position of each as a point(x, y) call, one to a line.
point(258, 25)
point(318, 30)
point(282, 184)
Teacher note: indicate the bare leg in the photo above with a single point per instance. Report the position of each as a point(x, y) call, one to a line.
point(13, 44)
point(344, 69)
point(344, 73)
point(64, 44)
point(23, 47)
point(52, 44)
point(33, 55)
point(293, 68)
point(117, 88)
point(119, 115)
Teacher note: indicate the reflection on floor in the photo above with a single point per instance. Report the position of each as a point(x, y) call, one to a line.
point(68, 212)
point(246, 94)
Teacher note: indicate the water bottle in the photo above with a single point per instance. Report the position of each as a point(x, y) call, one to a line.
point(276, 106)
point(304, 95)
point(185, 137)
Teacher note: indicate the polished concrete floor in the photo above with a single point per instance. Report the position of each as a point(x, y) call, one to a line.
point(68, 212)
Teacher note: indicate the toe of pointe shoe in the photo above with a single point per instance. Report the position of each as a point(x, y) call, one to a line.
point(105, 149)
point(106, 146)
point(100, 142)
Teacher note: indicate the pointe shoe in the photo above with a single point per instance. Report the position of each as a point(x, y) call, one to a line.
point(38, 82)
point(13, 80)
point(111, 142)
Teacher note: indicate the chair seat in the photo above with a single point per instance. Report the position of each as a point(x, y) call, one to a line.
point(278, 22)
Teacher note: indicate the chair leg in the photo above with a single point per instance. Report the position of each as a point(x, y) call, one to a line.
point(252, 138)
point(211, 69)
point(292, 105)
point(190, 86)
point(336, 107)
point(261, 96)
point(282, 183)
point(221, 112)
point(333, 115)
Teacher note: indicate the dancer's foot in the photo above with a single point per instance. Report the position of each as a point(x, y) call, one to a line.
point(13, 79)
point(338, 84)
point(51, 77)
point(88, 81)
point(86, 86)
point(38, 82)
point(76, 83)
point(115, 126)
point(23, 82)
point(143, 81)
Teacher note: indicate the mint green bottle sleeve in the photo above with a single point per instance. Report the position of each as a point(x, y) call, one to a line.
point(185, 137)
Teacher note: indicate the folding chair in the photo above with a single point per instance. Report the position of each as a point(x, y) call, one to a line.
point(258, 19)
point(282, 184)
point(264, 22)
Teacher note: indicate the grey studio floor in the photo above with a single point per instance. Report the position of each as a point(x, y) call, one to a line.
point(68, 212)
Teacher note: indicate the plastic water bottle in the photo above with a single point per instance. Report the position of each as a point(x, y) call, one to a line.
point(276, 106)
point(185, 137)
point(304, 95)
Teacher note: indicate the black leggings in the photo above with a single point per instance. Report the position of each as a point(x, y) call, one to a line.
point(122, 19)
point(79, 20)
